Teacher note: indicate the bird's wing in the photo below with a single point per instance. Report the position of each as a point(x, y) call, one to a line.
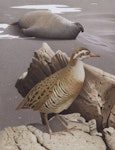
point(39, 93)
point(58, 96)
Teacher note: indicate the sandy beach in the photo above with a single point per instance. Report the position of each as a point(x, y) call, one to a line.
point(16, 51)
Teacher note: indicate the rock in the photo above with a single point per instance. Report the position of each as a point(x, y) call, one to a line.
point(111, 120)
point(35, 137)
point(96, 100)
point(110, 137)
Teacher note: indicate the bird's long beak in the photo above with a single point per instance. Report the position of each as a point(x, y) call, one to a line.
point(94, 55)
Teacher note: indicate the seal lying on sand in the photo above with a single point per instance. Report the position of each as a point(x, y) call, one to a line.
point(44, 24)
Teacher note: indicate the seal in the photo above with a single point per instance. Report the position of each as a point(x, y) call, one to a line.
point(45, 24)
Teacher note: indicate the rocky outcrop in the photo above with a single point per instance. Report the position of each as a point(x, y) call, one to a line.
point(35, 137)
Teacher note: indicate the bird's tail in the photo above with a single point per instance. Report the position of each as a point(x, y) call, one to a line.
point(21, 105)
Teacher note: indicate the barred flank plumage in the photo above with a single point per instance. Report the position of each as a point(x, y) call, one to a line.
point(48, 95)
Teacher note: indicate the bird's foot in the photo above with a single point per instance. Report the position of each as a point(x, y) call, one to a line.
point(63, 132)
point(69, 131)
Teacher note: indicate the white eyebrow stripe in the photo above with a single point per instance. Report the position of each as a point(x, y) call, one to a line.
point(83, 51)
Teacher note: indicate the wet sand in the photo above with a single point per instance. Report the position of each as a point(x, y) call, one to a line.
point(98, 19)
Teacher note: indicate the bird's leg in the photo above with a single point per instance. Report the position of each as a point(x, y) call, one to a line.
point(43, 118)
point(47, 124)
point(63, 123)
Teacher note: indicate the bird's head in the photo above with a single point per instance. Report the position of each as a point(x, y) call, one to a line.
point(80, 54)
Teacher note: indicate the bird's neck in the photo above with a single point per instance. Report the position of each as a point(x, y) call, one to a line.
point(78, 71)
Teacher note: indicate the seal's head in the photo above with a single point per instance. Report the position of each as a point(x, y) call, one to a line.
point(79, 26)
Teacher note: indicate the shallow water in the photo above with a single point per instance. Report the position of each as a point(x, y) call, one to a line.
point(16, 51)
